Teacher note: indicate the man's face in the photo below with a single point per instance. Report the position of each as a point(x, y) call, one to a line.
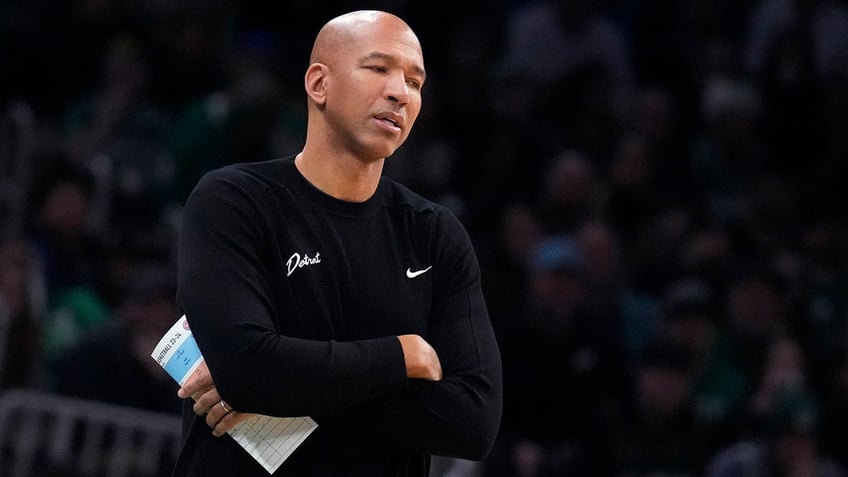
point(374, 91)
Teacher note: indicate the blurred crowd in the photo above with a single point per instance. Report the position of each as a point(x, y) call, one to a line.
point(653, 188)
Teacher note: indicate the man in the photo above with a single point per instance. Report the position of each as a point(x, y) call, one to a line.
point(315, 286)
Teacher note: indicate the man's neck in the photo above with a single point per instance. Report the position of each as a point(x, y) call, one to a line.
point(343, 177)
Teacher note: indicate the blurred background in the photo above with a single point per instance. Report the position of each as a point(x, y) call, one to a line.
point(655, 189)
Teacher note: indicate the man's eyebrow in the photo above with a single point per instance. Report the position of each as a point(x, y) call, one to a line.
point(376, 55)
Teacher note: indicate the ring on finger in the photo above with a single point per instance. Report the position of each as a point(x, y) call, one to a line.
point(224, 405)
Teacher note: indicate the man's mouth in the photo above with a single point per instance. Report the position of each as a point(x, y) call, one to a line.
point(393, 120)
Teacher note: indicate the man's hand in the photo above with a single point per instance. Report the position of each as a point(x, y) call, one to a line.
point(420, 358)
point(219, 415)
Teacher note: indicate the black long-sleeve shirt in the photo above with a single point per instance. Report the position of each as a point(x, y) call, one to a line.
point(296, 299)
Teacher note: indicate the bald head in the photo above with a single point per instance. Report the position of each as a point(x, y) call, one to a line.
point(342, 33)
point(363, 84)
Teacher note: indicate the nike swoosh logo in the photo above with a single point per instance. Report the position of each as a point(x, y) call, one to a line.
point(411, 274)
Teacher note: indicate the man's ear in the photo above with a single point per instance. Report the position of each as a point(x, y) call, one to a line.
point(315, 82)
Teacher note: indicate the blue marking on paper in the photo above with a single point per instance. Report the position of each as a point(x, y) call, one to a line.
point(183, 359)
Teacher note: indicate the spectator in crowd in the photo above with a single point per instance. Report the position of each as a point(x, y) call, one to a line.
point(575, 33)
point(112, 362)
point(119, 132)
point(241, 121)
point(693, 318)
point(22, 304)
point(560, 426)
point(69, 255)
point(60, 209)
point(787, 447)
point(660, 433)
point(569, 192)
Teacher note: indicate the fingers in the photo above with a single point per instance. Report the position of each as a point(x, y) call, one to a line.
point(220, 416)
point(199, 382)
point(206, 402)
point(227, 422)
point(217, 412)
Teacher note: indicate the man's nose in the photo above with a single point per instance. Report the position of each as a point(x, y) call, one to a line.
point(397, 88)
